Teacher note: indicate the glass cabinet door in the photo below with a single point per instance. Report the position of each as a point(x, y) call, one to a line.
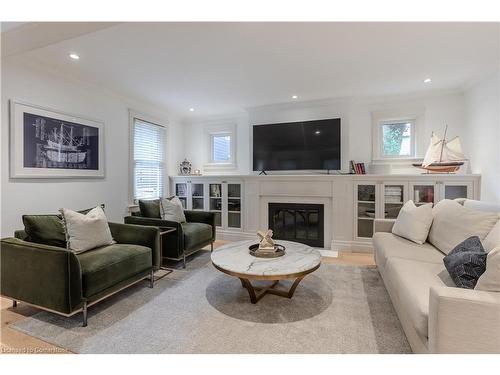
point(215, 202)
point(366, 209)
point(182, 193)
point(422, 193)
point(394, 198)
point(453, 190)
point(234, 205)
point(197, 197)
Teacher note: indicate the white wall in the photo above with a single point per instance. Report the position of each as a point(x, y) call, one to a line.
point(39, 86)
point(438, 108)
point(482, 102)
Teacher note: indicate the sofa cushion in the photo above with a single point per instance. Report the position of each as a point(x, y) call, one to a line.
point(454, 223)
point(414, 280)
point(106, 266)
point(490, 279)
point(388, 245)
point(45, 229)
point(86, 231)
point(492, 240)
point(466, 262)
point(150, 208)
point(196, 234)
point(413, 223)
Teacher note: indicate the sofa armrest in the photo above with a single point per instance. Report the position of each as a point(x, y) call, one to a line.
point(43, 275)
point(463, 321)
point(383, 225)
point(138, 235)
point(205, 217)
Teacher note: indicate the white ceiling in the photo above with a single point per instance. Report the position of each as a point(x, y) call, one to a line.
point(225, 67)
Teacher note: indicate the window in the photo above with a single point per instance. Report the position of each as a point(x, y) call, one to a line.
point(397, 139)
point(149, 159)
point(221, 148)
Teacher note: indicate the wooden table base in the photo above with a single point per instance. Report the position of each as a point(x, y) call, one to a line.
point(256, 293)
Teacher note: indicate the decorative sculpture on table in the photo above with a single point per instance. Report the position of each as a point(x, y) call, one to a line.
point(266, 248)
point(266, 242)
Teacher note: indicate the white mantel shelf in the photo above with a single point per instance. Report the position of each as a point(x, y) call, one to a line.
point(345, 224)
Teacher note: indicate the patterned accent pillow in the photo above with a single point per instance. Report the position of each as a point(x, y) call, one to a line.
point(466, 262)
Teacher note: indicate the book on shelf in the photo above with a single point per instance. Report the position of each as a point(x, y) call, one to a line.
point(357, 168)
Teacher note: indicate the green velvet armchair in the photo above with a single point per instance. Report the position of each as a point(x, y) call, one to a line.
point(197, 232)
point(60, 281)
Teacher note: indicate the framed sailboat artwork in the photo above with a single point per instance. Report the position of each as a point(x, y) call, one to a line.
point(443, 156)
point(46, 143)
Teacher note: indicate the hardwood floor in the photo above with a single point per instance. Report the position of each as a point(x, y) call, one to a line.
point(12, 341)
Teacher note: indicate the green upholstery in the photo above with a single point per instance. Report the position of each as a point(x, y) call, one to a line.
point(43, 275)
point(150, 208)
point(105, 266)
point(59, 280)
point(176, 243)
point(196, 234)
point(45, 229)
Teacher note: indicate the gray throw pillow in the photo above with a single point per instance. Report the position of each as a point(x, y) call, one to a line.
point(173, 210)
point(466, 262)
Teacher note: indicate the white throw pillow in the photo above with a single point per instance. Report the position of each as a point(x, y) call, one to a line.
point(85, 232)
point(453, 223)
point(490, 279)
point(492, 240)
point(413, 223)
point(173, 210)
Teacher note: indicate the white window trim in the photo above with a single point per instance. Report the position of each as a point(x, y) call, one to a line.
point(214, 130)
point(157, 121)
point(415, 116)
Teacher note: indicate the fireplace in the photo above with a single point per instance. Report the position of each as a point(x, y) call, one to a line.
point(300, 222)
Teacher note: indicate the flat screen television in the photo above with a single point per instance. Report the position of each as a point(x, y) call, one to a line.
point(301, 145)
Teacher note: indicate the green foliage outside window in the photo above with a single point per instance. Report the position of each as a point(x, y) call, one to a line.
point(393, 137)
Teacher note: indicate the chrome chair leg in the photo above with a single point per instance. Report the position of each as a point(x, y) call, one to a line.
point(151, 279)
point(184, 259)
point(14, 303)
point(84, 312)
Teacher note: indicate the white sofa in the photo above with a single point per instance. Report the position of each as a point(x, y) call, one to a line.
point(436, 316)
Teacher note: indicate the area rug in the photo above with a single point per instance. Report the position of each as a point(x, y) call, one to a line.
point(337, 309)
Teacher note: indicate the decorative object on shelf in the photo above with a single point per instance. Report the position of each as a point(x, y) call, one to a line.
point(196, 172)
point(443, 156)
point(215, 190)
point(46, 143)
point(266, 248)
point(185, 167)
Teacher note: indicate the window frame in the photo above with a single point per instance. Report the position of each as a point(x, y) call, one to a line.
point(414, 114)
point(218, 128)
point(134, 115)
point(221, 134)
point(380, 140)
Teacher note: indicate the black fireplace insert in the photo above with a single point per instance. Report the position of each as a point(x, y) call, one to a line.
point(299, 222)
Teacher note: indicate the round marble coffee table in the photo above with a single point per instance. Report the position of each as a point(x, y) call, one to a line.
point(234, 259)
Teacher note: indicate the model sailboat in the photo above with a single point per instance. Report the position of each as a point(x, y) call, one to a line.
point(443, 156)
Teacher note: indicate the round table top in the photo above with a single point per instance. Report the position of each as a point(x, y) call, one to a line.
point(234, 258)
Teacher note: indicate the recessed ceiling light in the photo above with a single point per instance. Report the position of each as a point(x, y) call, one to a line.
point(294, 96)
point(74, 56)
point(191, 109)
point(427, 80)
point(317, 132)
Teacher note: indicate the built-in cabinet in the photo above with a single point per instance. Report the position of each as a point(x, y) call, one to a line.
point(384, 199)
point(351, 202)
point(220, 196)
